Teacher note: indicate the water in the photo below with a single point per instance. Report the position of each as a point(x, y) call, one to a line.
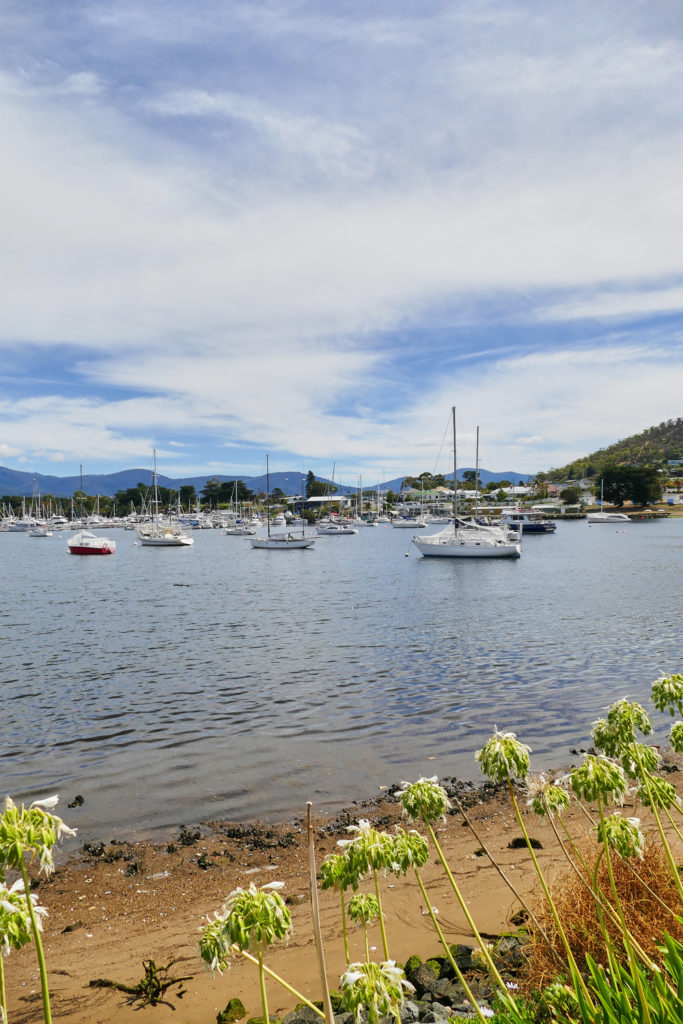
point(170, 686)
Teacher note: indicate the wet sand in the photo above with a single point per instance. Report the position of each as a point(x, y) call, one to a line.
point(111, 907)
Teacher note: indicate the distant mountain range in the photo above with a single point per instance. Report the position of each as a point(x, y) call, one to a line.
point(15, 482)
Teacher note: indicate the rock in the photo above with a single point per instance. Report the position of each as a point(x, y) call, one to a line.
point(437, 1014)
point(234, 1011)
point(302, 1015)
point(423, 979)
point(410, 1012)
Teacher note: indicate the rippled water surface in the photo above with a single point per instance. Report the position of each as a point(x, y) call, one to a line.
point(176, 685)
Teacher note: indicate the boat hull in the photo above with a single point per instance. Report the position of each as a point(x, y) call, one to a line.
point(287, 543)
point(466, 549)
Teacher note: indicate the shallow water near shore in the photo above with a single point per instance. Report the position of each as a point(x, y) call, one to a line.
point(170, 686)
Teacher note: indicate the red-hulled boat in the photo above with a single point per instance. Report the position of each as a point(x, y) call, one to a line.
point(87, 543)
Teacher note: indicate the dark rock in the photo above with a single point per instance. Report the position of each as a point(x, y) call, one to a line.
point(423, 979)
point(301, 1015)
point(436, 1014)
point(410, 1012)
point(462, 956)
point(519, 843)
point(343, 1018)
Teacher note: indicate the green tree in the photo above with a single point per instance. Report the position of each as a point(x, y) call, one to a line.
point(641, 485)
point(188, 495)
point(571, 495)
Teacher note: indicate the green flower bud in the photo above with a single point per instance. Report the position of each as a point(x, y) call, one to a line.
point(626, 717)
point(424, 799)
point(623, 835)
point(676, 737)
point(598, 777)
point(363, 908)
point(546, 797)
point(375, 988)
point(637, 758)
point(667, 694)
point(658, 793)
point(504, 757)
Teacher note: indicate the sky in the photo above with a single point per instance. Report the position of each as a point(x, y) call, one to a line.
point(309, 229)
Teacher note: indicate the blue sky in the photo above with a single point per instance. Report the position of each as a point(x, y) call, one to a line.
point(310, 228)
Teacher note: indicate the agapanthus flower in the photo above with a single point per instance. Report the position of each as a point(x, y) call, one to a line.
point(546, 797)
point(366, 850)
point(676, 737)
point(15, 920)
point(657, 792)
point(504, 757)
point(637, 758)
point(376, 988)
point(363, 908)
point(622, 834)
point(599, 777)
point(606, 737)
point(424, 799)
point(31, 830)
point(251, 920)
point(667, 693)
point(340, 871)
point(627, 717)
point(408, 850)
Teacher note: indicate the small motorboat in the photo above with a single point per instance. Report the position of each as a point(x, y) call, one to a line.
point(87, 543)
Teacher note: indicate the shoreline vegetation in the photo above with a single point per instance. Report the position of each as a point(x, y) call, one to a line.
point(591, 933)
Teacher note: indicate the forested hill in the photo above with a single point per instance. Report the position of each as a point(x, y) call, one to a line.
point(652, 447)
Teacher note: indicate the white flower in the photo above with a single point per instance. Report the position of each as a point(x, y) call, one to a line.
point(47, 802)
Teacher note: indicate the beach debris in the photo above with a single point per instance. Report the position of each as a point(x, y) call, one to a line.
point(152, 988)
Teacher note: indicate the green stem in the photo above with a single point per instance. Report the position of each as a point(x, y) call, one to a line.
point(47, 1015)
point(262, 984)
point(500, 871)
point(599, 901)
point(460, 976)
point(345, 932)
point(463, 906)
point(367, 943)
point(644, 775)
point(576, 974)
point(635, 973)
point(3, 996)
point(285, 985)
point(382, 929)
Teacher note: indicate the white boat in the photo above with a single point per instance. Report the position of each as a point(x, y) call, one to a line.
point(468, 539)
point(158, 534)
point(335, 529)
point(240, 530)
point(606, 517)
point(593, 518)
point(280, 541)
point(529, 522)
point(407, 523)
point(87, 543)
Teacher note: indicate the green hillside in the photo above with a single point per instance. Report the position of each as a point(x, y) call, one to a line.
point(652, 447)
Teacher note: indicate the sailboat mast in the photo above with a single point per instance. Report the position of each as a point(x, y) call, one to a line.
point(267, 496)
point(476, 475)
point(455, 471)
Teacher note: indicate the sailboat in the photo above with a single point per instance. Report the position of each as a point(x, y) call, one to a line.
point(592, 518)
point(467, 538)
point(157, 534)
point(280, 541)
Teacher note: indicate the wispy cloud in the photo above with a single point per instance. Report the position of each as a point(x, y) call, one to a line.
point(319, 227)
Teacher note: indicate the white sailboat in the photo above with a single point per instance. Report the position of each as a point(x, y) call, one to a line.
point(593, 518)
point(467, 539)
point(280, 541)
point(157, 534)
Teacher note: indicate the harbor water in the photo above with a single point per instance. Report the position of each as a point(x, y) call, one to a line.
point(170, 686)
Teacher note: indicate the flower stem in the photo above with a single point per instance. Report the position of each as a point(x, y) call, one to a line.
point(47, 1015)
point(262, 983)
point(576, 974)
point(345, 931)
point(3, 996)
point(463, 906)
point(382, 929)
point(285, 985)
point(446, 947)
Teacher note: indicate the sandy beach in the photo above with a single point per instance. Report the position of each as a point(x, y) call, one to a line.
point(113, 906)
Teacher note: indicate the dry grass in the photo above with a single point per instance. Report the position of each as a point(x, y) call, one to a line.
point(649, 899)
